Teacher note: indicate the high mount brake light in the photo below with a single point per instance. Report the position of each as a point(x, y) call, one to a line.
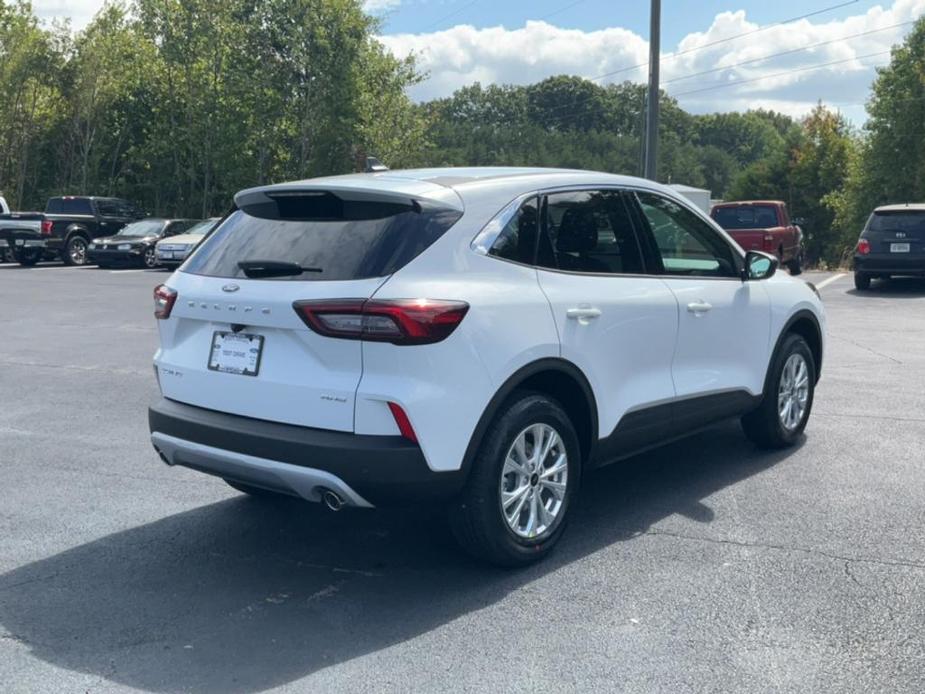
point(863, 246)
point(164, 299)
point(399, 321)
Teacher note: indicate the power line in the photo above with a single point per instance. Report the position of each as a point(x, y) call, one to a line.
point(561, 9)
point(450, 15)
point(694, 49)
point(566, 108)
point(790, 52)
point(781, 74)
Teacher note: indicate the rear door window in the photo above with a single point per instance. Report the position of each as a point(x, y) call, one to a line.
point(589, 231)
point(69, 206)
point(332, 239)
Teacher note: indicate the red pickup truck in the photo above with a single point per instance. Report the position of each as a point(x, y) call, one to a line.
point(763, 225)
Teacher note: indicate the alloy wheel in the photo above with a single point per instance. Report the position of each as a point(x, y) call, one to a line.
point(534, 480)
point(77, 250)
point(793, 393)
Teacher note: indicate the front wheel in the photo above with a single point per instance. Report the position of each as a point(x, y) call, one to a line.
point(149, 259)
point(513, 508)
point(788, 398)
point(861, 281)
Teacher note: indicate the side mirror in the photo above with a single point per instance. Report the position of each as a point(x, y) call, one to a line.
point(760, 266)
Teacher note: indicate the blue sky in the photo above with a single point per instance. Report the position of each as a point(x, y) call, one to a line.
point(679, 17)
point(737, 54)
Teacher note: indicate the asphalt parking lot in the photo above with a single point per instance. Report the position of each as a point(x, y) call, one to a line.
point(704, 566)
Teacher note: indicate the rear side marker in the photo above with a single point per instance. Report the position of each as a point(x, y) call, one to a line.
point(404, 424)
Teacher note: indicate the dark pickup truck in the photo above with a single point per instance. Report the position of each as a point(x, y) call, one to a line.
point(66, 228)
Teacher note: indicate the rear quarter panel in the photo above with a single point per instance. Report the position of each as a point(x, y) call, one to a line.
point(444, 388)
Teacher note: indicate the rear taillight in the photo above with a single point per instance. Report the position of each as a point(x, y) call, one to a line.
point(164, 299)
point(768, 242)
point(46, 227)
point(863, 246)
point(404, 424)
point(399, 321)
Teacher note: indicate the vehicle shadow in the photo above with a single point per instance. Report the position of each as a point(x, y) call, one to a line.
point(244, 595)
point(896, 288)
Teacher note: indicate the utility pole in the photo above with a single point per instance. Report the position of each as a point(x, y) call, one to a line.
point(655, 22)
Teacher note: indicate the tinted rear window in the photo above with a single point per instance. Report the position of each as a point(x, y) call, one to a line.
point(912, 221)
point(347, 241)
point(746, 217)
point(69, 206)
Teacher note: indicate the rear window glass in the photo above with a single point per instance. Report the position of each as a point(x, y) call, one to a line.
point(746, 217)
point(69, 206)
point(913, 221)
point(342, 240)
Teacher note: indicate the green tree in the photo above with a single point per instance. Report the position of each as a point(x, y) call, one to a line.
point(889, 165)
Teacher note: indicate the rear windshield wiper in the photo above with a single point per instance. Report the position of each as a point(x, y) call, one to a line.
point(273, 268)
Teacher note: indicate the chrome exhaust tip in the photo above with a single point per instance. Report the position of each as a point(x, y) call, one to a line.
point(332, 500)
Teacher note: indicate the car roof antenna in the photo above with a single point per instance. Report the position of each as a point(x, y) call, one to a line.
point(373, 165)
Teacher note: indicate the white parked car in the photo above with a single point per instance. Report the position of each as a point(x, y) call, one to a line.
point(483, 336)
point(172, 251)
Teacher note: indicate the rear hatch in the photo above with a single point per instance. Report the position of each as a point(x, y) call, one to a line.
point(898, 233)
point(235, 343)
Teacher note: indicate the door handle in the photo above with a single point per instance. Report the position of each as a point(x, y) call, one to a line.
point(698, 307)
point(583, 314)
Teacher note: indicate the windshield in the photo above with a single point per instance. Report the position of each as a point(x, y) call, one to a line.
point(911, 221)
point(201, 228)
point(146, 227)
point(345, 243)
point(746, 217)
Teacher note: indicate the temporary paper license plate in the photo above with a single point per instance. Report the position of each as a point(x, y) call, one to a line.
point(236, 353)
point(899, 248)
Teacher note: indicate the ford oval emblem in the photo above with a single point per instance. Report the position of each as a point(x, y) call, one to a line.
point(230, 288)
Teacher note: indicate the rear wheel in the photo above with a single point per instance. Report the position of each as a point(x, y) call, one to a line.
point(75, 251)
point(861, 281)
point(796, 265)
point(513, 509)
point(27, 257)
point(788, 397)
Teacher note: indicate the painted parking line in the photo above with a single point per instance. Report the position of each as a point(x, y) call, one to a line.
point(124, 272)
point(830, 280)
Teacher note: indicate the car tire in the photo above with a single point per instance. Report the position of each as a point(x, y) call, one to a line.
point(28, 257)
point(75, 250)
point(257, 492)
point(149, 259)
point(785, 407)
point(795, 266)
point(861, 281)
point(505, 461)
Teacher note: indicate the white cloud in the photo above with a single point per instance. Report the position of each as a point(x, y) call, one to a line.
point(380, 6)
point(463, 54)
point(80, 12)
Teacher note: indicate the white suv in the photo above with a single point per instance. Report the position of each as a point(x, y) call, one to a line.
point(478, 336)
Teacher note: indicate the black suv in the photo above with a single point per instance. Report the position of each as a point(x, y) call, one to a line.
point(892, 244)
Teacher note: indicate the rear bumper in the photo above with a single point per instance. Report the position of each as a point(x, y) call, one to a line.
point(364, 470)
point(890, 263)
